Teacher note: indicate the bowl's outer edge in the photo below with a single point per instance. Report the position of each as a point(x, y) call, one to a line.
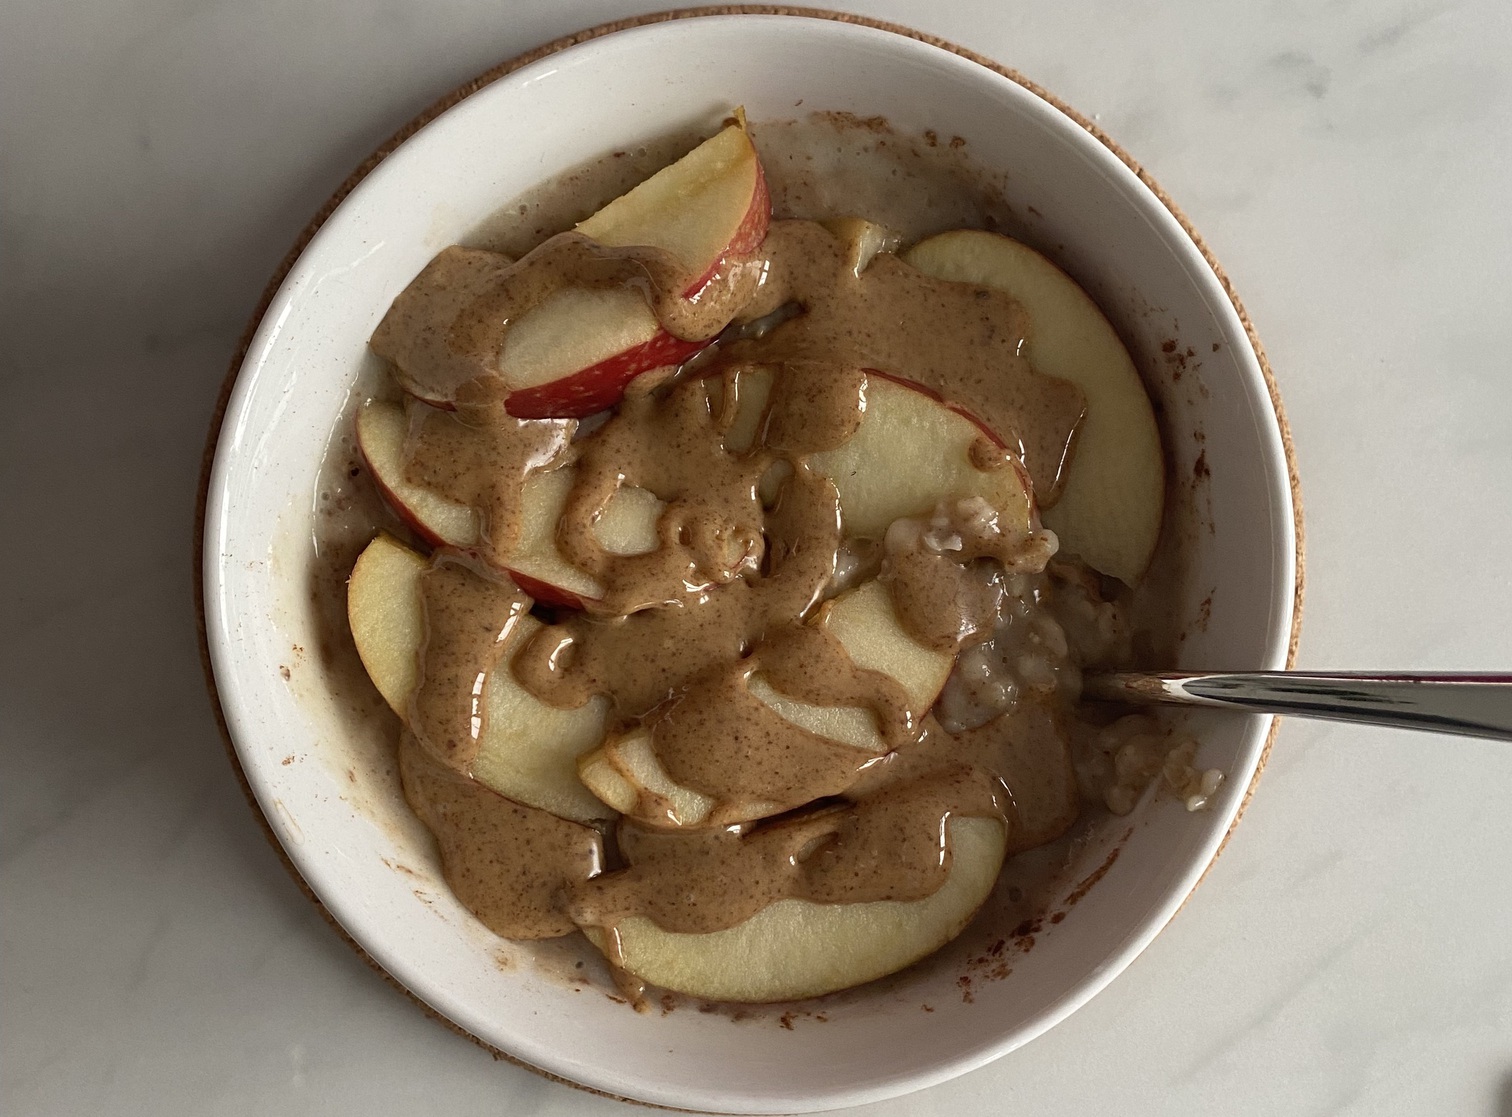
point(466, 90)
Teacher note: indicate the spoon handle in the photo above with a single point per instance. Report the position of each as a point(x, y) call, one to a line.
point(1472, 705)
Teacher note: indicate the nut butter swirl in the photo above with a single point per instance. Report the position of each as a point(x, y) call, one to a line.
point(962, 341)
point(479, 456)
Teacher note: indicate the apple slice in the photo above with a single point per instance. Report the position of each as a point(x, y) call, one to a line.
point(573, 353)
point(911, 452)
point(867, 627)
point(627, 525)
point(569, 355)
point(1110, 510)
point(599, 774)
point(512, 866)
point(528, 751)
point(626, 773)
point(793, 949)
point(381, 430)
point(710, 204)
point(849, 725)
point(387, 617)
point(536, 563)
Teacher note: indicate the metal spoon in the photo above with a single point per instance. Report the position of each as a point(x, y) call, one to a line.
point(1471, 705)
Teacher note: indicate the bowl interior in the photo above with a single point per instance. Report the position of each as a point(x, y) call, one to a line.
point(321, 771)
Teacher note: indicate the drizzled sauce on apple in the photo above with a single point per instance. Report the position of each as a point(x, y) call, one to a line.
point(771, 660)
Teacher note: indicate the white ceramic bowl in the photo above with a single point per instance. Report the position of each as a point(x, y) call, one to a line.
point(322, 780)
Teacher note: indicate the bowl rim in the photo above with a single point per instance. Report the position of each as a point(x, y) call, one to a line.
point(483, 80)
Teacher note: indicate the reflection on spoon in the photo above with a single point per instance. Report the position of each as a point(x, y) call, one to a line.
point(1470, 705)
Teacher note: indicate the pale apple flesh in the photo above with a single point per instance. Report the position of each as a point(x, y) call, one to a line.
point(862, 240)
point(910, 453)
point(1109, 512)
point(845, 725)
point(793, 949)
point(868, 628)
point(626, 526)
point(387, 617)
point(575, 353)
point(536, 560)
point(528, 750)
point(381, 430)
point(711, 203)
point(627, 774)
point(571, 330)
point(740, 406)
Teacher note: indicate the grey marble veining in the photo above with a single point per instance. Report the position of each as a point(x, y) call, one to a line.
point(1350, 164)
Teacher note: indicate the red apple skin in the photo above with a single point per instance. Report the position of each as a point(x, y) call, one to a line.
point(397, 506)
point(602, 385)
point(545, 592)
point(748, 237)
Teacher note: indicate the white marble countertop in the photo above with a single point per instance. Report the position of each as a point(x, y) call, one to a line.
point(1350, 164)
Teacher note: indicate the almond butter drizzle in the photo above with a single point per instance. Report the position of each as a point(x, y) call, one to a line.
point(733, 588)
point(479, 456)
point(446, 330)
point(711, 532)
point(468, 616)
point(511, 865)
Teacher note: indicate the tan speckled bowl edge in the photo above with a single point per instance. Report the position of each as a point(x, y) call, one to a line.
point(467, 89)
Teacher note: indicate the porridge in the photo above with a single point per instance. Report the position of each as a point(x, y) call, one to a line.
point(757, 562)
